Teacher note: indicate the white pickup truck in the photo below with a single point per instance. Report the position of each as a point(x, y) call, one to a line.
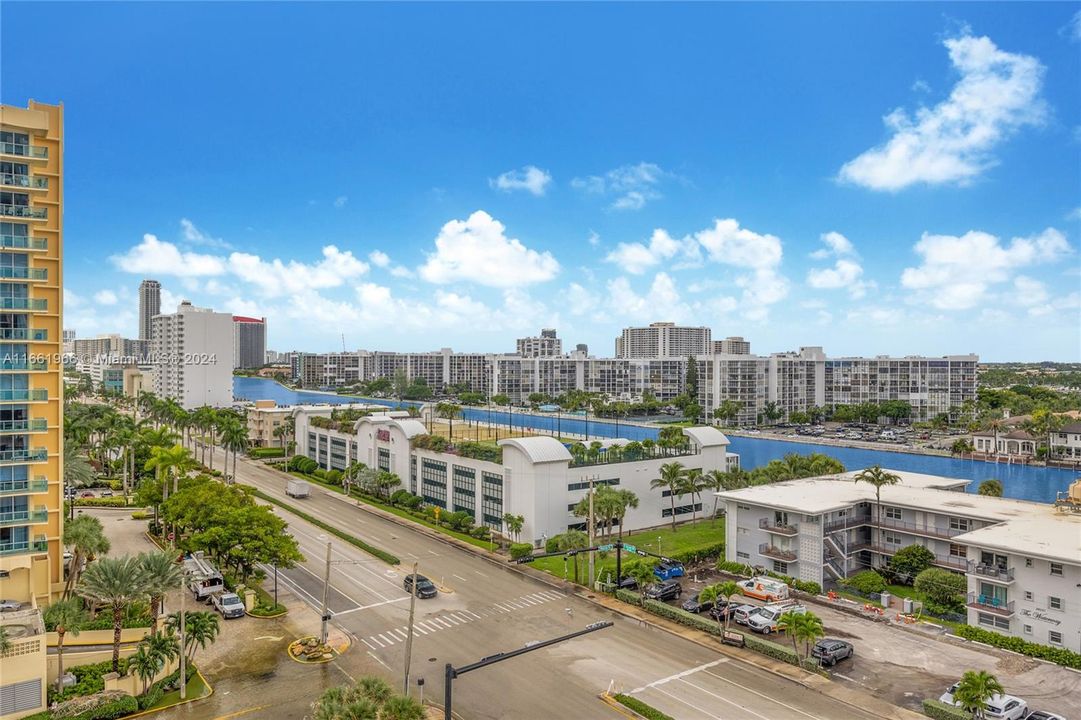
point(228, 604)
point(765, 620)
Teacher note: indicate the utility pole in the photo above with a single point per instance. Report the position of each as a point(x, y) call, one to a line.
point(326, 589)
point(409, 637)
point(591, 532)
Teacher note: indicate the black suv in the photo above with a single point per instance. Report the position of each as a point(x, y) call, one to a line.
point(831, 650)
point(667, 590)
point(696, 605)
point(425, 587)
point(722, 610)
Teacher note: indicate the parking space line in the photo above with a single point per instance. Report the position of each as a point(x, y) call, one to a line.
point(376, 641)
point(418, 628)
point(461, 578)
point(366, 643)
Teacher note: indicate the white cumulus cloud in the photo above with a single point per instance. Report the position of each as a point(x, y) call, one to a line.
point(631, 186)
point(478, 250)
point(997, 93)
point(158, 257)
point(530, 178)
point(846, 273)
point(276, 278)
point(379, 258)
point(956, 272)
point(105, 297)
point(637, 257)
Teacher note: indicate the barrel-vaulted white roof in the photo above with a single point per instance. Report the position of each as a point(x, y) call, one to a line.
point(409, 426)
point(706, 436)
point(540, 448)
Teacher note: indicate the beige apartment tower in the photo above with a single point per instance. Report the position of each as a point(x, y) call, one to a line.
point(31, 391)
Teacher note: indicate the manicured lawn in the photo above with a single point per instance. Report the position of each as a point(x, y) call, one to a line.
point(197, 688)
point(686, 538)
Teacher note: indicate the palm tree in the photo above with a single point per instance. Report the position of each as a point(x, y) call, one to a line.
point(728, 589)
point(168, 462)
point(401, 707)
point(975, 689)
point(161, 574)
point(78, 472)
point(693, 484)
point(642, 572)
point(995, 425)
point(146, 665)
point(116, 582)
point(200, 629)
point(808, 629)
point(514, 524)
point(448, 411)
point(628, 500)
point(712, 594)
point(879, 478)
point(374, 688)
point(789, 622)
point(234, 437)
point(343, 703)
point(671, 476)
point(163, 645)
point(5, 640)
point(65, 616)
point(86, 536)
point(573, 540)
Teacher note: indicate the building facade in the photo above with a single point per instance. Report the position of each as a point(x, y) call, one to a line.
point(663, 340)
point(731, 346)
point(193, 357)
point(109, 346)
point(536, 477)
point(249, 342)
point(546, 345)
point(1022, 560)
point(265, 419)
point(1066, 442)
point(31, 386)
point(149, 306)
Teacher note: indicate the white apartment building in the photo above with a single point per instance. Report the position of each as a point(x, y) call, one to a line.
point(536, 478)
point(1022, 559)
point(546, 345)
point(1066, 442)
point(192, 357)
point(664, 340)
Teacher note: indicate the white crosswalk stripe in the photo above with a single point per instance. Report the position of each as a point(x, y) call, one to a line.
point(451, 620)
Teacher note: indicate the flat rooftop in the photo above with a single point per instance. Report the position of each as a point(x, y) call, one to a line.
point(1048, 534)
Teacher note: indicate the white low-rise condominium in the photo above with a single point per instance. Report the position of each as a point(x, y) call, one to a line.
point(1022, 559)
point(536, 477)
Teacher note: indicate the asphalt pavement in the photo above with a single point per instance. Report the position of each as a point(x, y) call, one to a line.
point(484, 609)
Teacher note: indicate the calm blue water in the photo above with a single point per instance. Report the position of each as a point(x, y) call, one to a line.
point(1019, 481)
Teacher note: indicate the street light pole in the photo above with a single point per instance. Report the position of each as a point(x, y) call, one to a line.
point(409, 637)
point(326, 588)
point(450, 672)
point(183, 663)
point(591, 532)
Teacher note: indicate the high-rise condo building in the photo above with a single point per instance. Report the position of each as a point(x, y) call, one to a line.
point(249, 342)
point(192, 357)
point(31, 391)
point(547, 345)
point(149, 306)
point(663, 340)
point(731, 346)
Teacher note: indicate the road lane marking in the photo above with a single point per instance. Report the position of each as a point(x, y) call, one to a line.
point(376, 658)
point(374, 639)
point(678, 675)
point(386, 639)
point(417, 628)
point(402, 632)
point(679, 699)
point(431, 627)
point(463, 618)
point(478, 572)
point(415, 557)
point(723, 699)
point(367, 643)
point(478, 617)
point(764, 696)
point(442, 622)
point(451, 618)
point(461, 578)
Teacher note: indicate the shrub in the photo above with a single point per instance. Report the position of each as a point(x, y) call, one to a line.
point(1059, 656)
point(866, 582)
point(480, 451)
point(631, 598)
point(942, 587)
point(334, 477)
point(481, 532)
point(703, 553)
point(807, 586)
point(116, 485)
point(647, 711)
point(941, 711)
point(399, 497)
point(106, 706)
point(141, 515)
point(320, 473)
point(910, 561)
point(266, 452)
point(520, 550)
point(735, 568)
point(551, 545)
point(101, 502)
point(681, 616)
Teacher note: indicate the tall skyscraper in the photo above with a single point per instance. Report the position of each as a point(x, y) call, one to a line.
point(31, 388)
point(663, 340)
point(249, 342)
point(192, 355)
point(149, 306)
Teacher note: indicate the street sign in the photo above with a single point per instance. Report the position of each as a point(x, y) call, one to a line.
point(629, 548)
point(604, 548)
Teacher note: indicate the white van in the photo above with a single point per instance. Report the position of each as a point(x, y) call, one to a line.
point(764, 588)
point(765, 620)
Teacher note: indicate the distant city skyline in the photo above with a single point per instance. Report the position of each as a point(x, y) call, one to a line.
point(873, 179)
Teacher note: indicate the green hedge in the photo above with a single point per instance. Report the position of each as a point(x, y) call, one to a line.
point(266, 452)
point(942, 711)
point(101, 502)
point(354, 541)
point(520, 550)
point(105, 709)
point(770, 649)
point(681, 616)
point(735, 568)
point(866, 582)
point(647, 711)
point(631, 598)
point(1059, 656)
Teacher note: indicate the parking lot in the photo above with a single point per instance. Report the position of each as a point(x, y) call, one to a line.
point(906, 665)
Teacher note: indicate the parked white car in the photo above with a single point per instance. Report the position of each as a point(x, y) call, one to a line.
point(999, 707)
point(766, 619)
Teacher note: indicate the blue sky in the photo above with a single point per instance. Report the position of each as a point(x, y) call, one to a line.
point(874, 178)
